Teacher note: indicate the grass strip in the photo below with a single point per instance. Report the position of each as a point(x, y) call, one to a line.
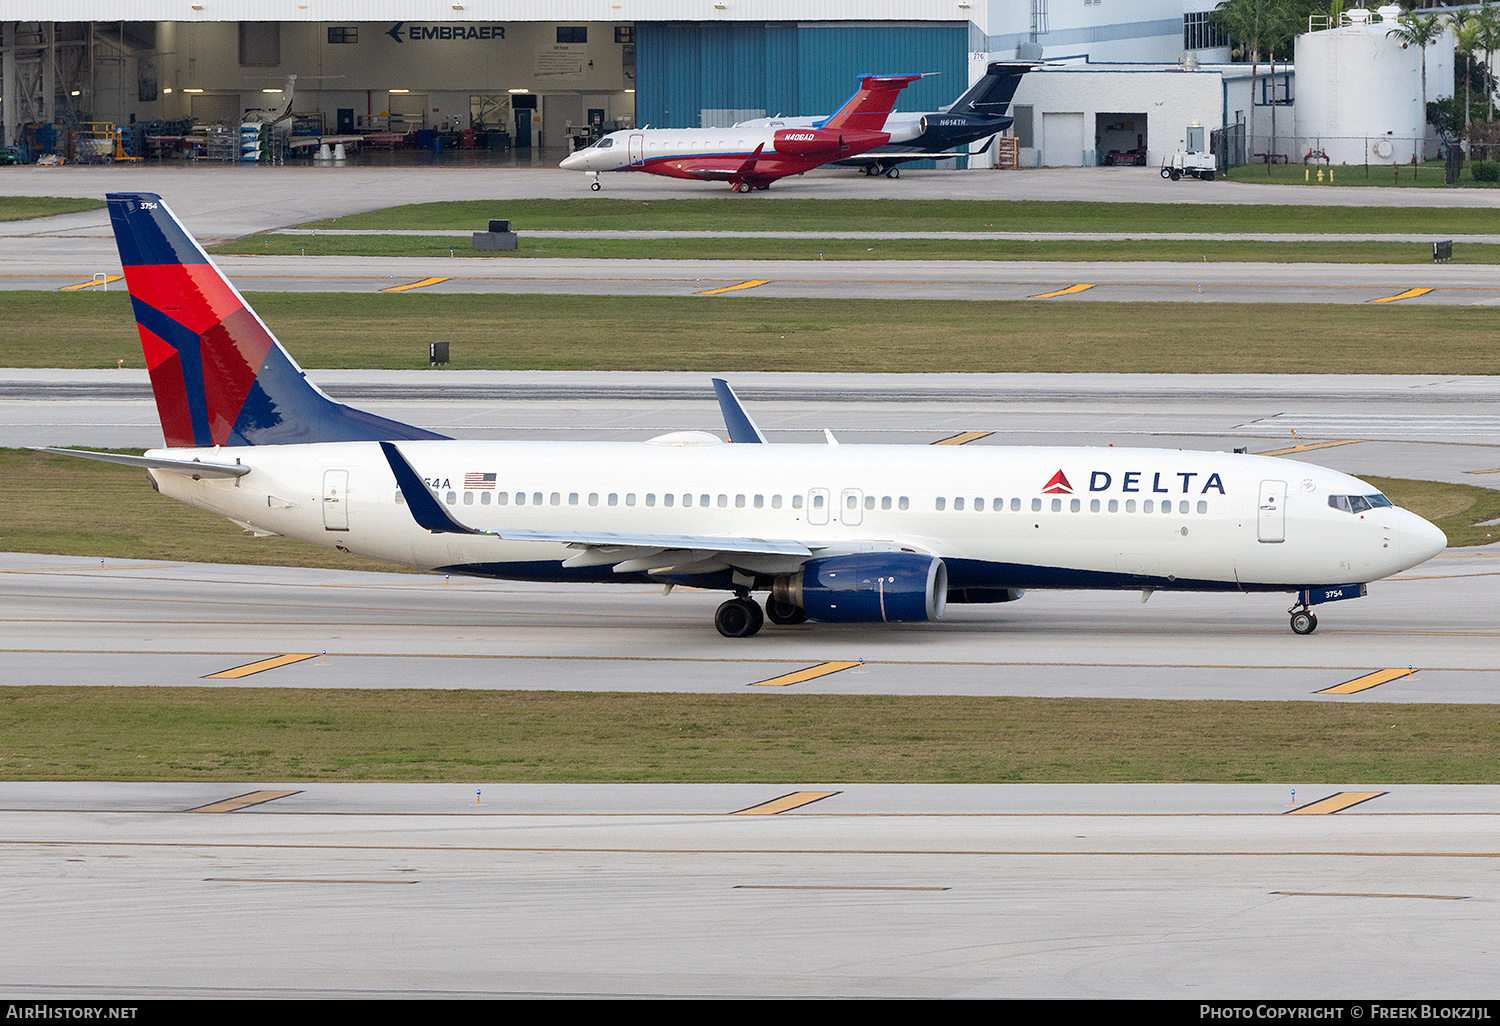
point(864, 249)
point(766, 213)
point(238, 734)
point(740, 332)
point(22, 208)
point(67, 506)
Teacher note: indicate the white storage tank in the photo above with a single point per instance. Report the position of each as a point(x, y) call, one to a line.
point(1359, 91)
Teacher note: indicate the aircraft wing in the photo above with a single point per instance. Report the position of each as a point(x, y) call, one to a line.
point(320, 140)
point(745, 167)
point(628, 551)
point(194, 468)
point(893, 156)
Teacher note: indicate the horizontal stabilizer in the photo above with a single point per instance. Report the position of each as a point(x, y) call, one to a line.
point(196, 468)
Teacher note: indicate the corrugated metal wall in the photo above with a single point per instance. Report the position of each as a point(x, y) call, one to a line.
point(684, 69)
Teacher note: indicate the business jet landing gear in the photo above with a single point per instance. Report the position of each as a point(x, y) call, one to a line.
point(1304, 620)
point(893, 172)
point(742, 187)
point(739, 618)
point(595, 186)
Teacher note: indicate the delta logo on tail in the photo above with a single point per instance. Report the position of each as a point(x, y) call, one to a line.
point(1058, 485)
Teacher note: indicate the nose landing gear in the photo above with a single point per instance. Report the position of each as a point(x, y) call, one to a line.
point(1304, 621)
point(595, 186)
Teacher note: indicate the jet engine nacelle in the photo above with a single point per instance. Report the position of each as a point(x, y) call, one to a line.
point(801, 141)
point(868, 587)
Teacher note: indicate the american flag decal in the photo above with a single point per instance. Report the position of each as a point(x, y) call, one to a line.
point(480, 482)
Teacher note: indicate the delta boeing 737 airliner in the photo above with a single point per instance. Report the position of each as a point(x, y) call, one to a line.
point(831, 533)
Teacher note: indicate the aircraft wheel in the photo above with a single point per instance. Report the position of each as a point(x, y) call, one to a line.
point(784, 613)
point(1166, 172)
point(1304, 622)
point(894, 172)
point(743, 187)
point(596, 186)
point(738, 618)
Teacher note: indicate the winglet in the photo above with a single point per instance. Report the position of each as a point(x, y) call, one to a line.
point(424, 506)
point(749, 164)
point(741, 427)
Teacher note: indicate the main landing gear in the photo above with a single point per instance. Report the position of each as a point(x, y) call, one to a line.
point(739, 617)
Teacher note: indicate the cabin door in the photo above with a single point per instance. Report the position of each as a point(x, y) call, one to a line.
point(637, 148)
point(336, 500)
point(1272, 519)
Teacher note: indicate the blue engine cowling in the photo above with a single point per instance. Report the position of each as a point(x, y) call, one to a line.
point(868, 587)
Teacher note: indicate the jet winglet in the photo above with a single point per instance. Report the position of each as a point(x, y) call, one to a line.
point(424, 506)
point(741, 427)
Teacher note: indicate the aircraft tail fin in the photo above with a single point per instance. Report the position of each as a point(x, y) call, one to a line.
point(868, 108)
point(220, 377)
point(991, 95)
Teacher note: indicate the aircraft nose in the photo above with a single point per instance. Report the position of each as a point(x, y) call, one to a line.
point(576, 161)
point(1420, 540)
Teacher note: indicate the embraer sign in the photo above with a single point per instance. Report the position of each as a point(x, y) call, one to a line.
point(420, 32)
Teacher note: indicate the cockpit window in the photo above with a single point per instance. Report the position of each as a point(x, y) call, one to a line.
point(605, 143)
point(1358, 503)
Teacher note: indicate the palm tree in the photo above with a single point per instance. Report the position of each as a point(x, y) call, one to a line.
point(1420, 30)
point(1488, 20)
point(1249, 24)
point(1465, 41)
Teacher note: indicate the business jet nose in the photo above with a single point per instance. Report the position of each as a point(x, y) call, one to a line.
point(578, 161)
point(1420, 540)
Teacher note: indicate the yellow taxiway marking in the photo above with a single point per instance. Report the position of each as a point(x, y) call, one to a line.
point(70, 569)
point(103, 279)
point(1408, 294)
point(1063, 292)
point(261, 665)
point(1310, 448)
point(786, 802)
point(1335, 803)
point(1369, 680)
point(1357, 894)
point(1492, 470)
point(734, 288)
point(963, 438)
point(416, 284)
point(810, 673)
point(243, 801)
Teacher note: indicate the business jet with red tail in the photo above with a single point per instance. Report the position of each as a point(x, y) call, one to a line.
point(832, 533)
point(749, 157)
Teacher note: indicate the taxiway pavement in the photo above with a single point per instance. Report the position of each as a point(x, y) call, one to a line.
point(1189, 892)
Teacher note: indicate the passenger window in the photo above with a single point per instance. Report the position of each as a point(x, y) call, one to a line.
point(536, 498)
point(1015, 505)
point(760, 502)
point(401, 499)
point(668, 499)
point(739, 502)
point(958, 503)
point(520, 498)
point(797, 501)
point(593, 498)
point(905, 503)
point(1148, 506)
point(1182, 507)
point(703, 501)
point(1202, 506)
point(1036, 505)
point(723, 501)
point(885, 502)
point(614, 498)
point(1114, 505)
point(501, 498)
point(1093, 505)
point(942, 503)
point(651, 498)
point(1057, 505)
point(869, 502)
point(978, 505)
point(630, 498)
point(817, 501)
point(775, 502)
point(557, 498)
point(1130, 506)
point(484, 498)
point(468, 498)
point(452, 498)
point(572, 498)
point(1074, 505)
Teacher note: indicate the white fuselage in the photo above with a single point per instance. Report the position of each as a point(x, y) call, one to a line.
point(1202, 520)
